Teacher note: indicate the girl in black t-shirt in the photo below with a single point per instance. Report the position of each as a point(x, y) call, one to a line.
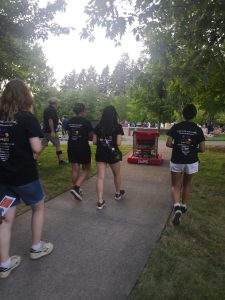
point(186, 139)
point(107, 136)
point(20, 135)
point(80, 132)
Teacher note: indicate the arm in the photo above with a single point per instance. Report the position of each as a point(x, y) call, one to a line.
point(51, 126)
point(169, 142)
point(94, 139)
point(202, 147)
point(118, 139)
point(35, 144)
point(90, 136)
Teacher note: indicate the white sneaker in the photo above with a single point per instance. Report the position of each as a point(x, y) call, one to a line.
point(15, 261)
point(47, 248)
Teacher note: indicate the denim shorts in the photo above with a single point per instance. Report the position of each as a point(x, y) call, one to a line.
point(184, 168)
point(30, 193)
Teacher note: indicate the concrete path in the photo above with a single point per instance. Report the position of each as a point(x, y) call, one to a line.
point(99, 255)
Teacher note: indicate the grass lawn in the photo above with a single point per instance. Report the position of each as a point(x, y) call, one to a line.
point(221, 137)
point(188, 261)
point(57, 179)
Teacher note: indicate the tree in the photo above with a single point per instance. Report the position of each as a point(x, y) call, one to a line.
point(104, 81)
point(186, 37)
point(21, 23)
point(70, 81)
point(121, 75)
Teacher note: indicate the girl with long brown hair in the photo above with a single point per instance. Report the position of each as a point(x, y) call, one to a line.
point(20, 135)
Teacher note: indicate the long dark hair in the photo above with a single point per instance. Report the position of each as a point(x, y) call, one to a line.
point(15, 97)
point(109, 120)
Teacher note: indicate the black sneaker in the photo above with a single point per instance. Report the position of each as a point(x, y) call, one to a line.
point(183, 209)
point(77, 192)
point(120, 195)
point(177, 215)
point(100, 205)
point(62, 162)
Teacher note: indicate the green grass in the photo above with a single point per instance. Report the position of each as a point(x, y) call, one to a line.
point(188, 262)
point(57, 179)
point(221, 137)
point(163, 137)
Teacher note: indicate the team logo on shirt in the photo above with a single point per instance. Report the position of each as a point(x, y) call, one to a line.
point(4, 139)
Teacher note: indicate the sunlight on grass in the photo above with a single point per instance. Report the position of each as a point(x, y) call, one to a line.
point(189, 260)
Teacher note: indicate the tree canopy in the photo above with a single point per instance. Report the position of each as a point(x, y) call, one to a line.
point(185, 45)
point(22, 22)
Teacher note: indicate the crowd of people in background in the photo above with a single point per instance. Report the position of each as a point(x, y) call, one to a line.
point(22, 140)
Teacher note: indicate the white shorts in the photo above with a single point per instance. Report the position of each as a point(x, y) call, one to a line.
point(184, 168)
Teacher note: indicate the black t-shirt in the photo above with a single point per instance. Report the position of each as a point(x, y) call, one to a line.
point(78, 129)
point(50, 113)
point(17, 165)
point(102, 151)
point(187, 136)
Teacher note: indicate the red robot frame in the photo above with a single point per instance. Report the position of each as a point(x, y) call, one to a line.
point(145, 148)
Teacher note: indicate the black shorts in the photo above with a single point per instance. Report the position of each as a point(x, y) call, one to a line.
point(102, 155)
point(79, 155)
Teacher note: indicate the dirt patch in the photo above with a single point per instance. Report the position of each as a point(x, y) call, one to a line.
point(220, 149)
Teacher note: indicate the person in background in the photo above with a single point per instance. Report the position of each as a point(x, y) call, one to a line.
point(50, 124)
point(80, 132)
point(20, 135)
point(64, 124)
point(107, 136)
point(186, 139)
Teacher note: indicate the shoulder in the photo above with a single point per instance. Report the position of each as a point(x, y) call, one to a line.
point(26, 115)
point(119, 129)
point(71, 120)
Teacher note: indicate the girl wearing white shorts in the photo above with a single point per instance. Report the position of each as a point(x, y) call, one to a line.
point(186, 139)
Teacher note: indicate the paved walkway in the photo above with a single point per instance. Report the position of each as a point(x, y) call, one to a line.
point(98, 255)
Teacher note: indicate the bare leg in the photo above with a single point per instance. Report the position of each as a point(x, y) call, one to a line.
point(117, 177)
point(5, 234)
point(37, 222)
point(186, 187)
point(75, 173)
point(176, 178)
point(101, 168)
point(58, 151)
point(83, 175)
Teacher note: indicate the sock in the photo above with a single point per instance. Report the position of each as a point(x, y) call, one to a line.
point(177, 204)
point(37, 247)
point(6, 263)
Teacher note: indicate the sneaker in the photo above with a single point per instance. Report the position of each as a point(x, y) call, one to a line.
point(81, 192)
point(77, 192)
point(177, 215)
point(47, 248)
point(62, 162)
point(120, 195)
point(5, 272)
point(183, 209)
point(100, 205)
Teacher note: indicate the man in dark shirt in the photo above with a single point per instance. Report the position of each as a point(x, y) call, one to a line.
point(187, 139)
point(49, 128)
